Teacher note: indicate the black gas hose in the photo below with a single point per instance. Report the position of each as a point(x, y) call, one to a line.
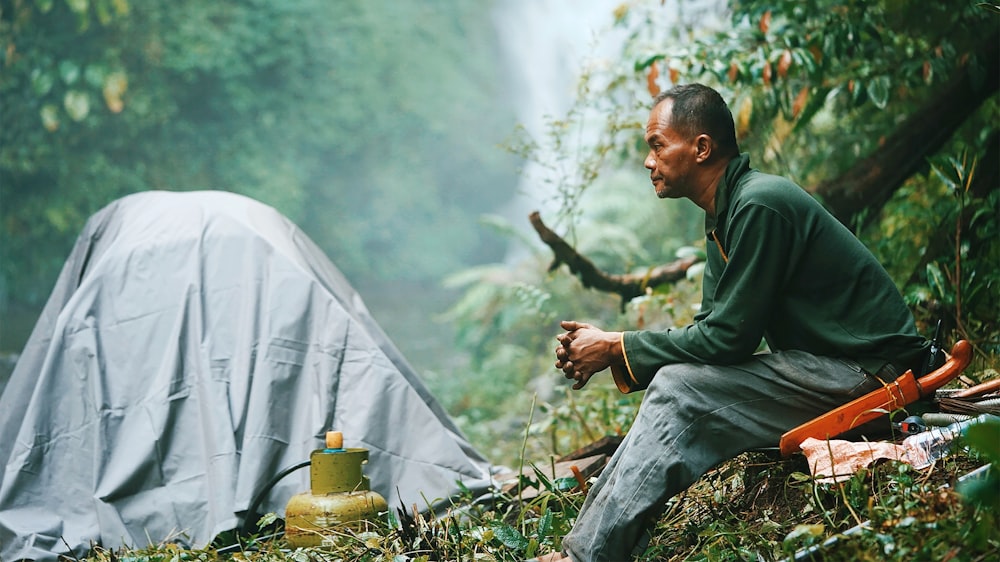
point(250, 521)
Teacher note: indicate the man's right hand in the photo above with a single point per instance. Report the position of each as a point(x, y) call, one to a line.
point(585, 350)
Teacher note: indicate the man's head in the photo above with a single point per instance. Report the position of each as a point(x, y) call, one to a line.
point(691, 138)
point(698, 109)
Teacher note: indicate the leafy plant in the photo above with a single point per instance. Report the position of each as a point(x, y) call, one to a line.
point(939, 238)
point(984, 438)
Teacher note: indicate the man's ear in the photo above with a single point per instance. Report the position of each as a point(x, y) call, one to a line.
point(703, 148)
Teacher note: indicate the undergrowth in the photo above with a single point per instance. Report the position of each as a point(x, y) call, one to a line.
point(752, 507)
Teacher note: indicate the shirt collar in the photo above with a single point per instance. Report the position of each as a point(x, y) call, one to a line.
point(736, 168)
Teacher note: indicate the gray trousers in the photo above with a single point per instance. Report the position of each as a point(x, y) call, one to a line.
point(692, 418)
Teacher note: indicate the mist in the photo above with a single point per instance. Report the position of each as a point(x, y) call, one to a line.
point(380, 128)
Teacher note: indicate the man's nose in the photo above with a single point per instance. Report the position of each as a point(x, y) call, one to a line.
point(650, 162)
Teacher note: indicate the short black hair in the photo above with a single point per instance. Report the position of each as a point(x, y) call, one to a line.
point(699, 109)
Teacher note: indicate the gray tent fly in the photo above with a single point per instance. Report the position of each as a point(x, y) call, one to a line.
point(195, 345)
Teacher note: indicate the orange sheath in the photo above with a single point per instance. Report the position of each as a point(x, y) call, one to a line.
point(892, 396)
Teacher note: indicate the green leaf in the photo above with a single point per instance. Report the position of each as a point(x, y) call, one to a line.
point(50, 117)
point(545, 525)
point(78, 6)
point(983, 213)
point(531, 549)
point(104, 11)
point(510, 537)
point(878, 91)
point(69, 71)
point(41, 82)
point(935, 278)
point(688, 251)
point(800, 477)
point(769, 526)
point(982, 490)
point(544, 481)
point(645, 63)
point(564, 484)
point(985, 438)
point(804, 531)
point(77, 104)
point(266, 520)
point(945, 177)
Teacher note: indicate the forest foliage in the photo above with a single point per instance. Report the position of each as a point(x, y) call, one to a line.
point(314, 108)
point(369, 124)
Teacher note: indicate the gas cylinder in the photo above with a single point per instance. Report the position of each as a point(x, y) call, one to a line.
point(340, 496)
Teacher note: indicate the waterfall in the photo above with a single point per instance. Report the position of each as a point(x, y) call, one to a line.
point(547, 44)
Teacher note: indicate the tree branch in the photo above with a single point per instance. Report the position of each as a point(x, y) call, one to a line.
point(627, 286)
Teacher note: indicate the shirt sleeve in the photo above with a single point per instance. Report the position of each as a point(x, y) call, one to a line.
point(760, 251)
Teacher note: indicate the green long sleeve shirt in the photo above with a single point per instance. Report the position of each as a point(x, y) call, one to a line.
point(781, 268)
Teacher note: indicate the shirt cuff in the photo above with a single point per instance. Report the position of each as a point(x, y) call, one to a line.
point(622, 372)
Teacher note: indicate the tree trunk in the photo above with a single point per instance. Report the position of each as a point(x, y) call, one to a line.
point(870, 182)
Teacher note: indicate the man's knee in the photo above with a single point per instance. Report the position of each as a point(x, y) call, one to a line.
point(673, 384)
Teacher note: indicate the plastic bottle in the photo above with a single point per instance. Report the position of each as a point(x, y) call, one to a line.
point(923, 448)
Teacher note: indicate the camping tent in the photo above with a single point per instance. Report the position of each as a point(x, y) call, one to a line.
point(194, 346)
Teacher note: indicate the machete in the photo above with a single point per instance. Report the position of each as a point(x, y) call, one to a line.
point(905, 390)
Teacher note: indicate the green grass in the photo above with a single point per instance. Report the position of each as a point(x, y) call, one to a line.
point(750, 508)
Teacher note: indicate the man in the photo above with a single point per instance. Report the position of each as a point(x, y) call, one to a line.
point(780, 269)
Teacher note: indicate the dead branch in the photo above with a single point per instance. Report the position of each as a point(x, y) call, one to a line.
point(627, 286)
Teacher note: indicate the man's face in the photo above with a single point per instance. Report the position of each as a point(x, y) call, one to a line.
point(671, 159)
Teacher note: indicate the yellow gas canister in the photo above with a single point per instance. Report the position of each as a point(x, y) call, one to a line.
point(340, 496)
